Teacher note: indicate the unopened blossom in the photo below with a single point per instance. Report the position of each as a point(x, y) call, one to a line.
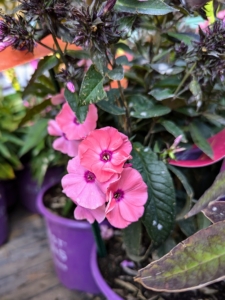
point(71, 87)
point(70, 125)
point(126, 199)
point(62, 144)
point(82, 186)
point(91, 215)
point(104, 152)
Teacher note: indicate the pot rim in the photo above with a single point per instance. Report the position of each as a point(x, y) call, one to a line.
point(100, 281)
point(53, 217)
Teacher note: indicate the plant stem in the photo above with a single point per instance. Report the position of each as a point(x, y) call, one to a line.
point(128, 126)
point(98, 239)
point(184, 80)
point(51, 28)
point(47, 47)
point(54, 81)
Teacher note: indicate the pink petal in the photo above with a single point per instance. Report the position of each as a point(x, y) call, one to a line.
point(67, 147)
point(53, 128)
point(130, 212)
point(115, 219)
point(68, 123)
point(90, 215)
point(58, 99)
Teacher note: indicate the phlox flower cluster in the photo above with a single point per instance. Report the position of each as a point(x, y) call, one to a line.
point(99, 181)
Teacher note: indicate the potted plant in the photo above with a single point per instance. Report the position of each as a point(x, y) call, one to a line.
point(157, 99)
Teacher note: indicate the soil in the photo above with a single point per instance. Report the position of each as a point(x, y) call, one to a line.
point(55, 200)
point(123, 284)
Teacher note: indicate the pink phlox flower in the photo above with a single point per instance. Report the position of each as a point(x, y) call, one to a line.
point(127, 198)
point(69, 124)
point(59, 98)
point(91, 215)
point(62, 144)
point(104, 152)
point(82, 186)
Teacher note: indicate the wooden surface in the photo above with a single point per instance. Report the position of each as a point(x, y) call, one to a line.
point(26, 268)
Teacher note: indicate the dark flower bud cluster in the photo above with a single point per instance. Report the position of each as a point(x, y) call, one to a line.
point(37, 9)
point(95, 26)
point(16, 32)
point(181, 49)
point(209, 53)
point(70, 75)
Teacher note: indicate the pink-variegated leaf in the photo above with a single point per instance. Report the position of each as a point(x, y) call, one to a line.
point(195, 158)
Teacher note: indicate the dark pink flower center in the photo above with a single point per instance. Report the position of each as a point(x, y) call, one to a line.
point(76, 121)
point(118, 195)
point(106, 155)
point(64, 135)
point(89, 177)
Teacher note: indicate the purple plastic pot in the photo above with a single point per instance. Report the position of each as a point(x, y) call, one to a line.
point(10, 187)
point(100, 281)
point(28, 188)
point(71, 243)
point(3, 215)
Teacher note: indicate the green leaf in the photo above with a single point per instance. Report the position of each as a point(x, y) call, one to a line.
point(172, 128)
point(214, 118)
point(151, 7)
point(125, 26)
point(188, 111)
point(6, 171)
point(110, 105)
point(80, 54)
point(183, 180)
point(92, 87)
point(161, 94)
point(216, 191)
point(45, 64)
point(195, 88)
point(166, 69)
point(160, 208)
point(144, 108)
point(116, 73)
point(35, 134)
point(4, 151)
point(194, 263)
point(73, 100)
point(132, 240)
point(200, 141)
point(186, 38)
point(34, 111)
point(12, 138)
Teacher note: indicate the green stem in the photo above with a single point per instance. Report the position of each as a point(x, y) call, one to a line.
point(54, 81)
point(98, 239)
point(184, 80)
point(51, 28)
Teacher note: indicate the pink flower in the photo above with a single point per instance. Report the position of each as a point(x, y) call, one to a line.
point(82, 186)
point(62, 144)
point(127, 197)
point(104, 152)
point(98, 214)
point(59, 98)
point(69, 124)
